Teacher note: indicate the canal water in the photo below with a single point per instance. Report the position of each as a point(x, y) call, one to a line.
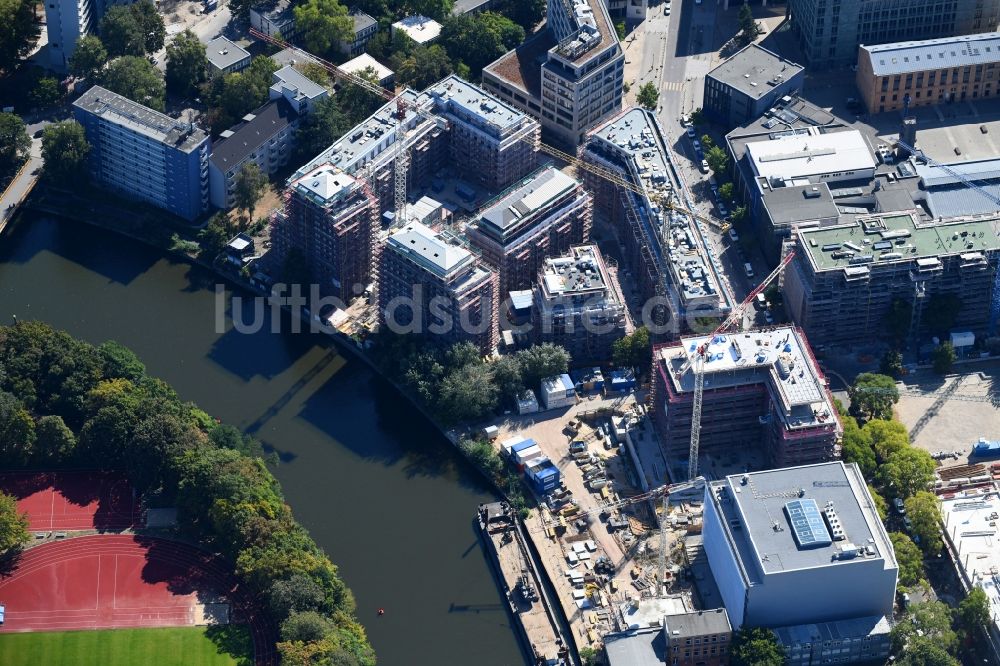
point(379, 489)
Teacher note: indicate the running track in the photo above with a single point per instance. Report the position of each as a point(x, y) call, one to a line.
point(111, 580)
point(73, 500)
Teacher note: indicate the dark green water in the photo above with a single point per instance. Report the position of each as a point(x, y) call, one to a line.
point(376, 486)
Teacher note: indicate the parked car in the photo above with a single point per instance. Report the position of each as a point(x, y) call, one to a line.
point(768, 317)
point(748, 269)
point(690, 132)
point(733, 236)
point(722, 210)
point(898, 503)
point(704, 166)
point(697, 145)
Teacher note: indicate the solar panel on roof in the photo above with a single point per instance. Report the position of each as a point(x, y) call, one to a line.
point(807, 523)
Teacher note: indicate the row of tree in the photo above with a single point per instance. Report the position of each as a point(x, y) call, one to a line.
point(67, 403)
point(455, 385)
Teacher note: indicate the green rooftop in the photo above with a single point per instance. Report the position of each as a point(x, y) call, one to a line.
point(893, 237)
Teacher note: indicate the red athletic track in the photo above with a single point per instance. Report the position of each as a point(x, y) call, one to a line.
point(64, 501)
point(117, 580)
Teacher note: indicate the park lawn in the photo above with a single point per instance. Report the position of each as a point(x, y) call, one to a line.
point(180, 646)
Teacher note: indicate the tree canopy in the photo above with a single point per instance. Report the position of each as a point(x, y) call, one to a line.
point(873, 395)
point(633, 351)
point(18, 32)
point(924, 514)
point(973, 613)
point(15, 144)
point(249, 187)
point(756, 647)
point(137, 79)
point(136, 29)
point(479, 39)
point(856, 447)
point(748, 27)
point(323, 24)
point(927, 619)
point(909, 558)
point(187, 64)
point(65, 149)
point(323, 125)
point(943, 357)
point(423, 66)
point(13, 524)
point(232, 96)
point(648, 95)
point(89, 57)
point(717, 159)
point(226, 497)
point(907, 471)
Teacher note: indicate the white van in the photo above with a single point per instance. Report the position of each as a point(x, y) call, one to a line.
point(748, 269)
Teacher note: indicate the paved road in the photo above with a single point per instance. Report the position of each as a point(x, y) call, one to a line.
point(22, 184)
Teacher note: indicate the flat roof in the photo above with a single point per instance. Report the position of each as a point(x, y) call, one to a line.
point(820, 632)
point(274, 10)
point(944, 53)
point(223, 53)
point(755, 71)
point(911, 238)
point(777, 357)
point(970, 524)
point(790, 114)
point(454, 92)
point(804, 155)
point(683, 252)
point(256, 129)
point(527, 200)
point(420, 29)
point(324, 184)
point(756, 519)
point(362, 20)
point(157, 126)
point(798, 203)
point(646, 647)
point(289, 77)
point(698, 623)
point(522, 67)
point(434, 252)
point(594, 31)
point(364, 61)
point(580, 273)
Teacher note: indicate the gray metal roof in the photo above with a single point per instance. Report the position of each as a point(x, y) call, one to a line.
point(698, 623)
point(251, 134)
point(636, 648)
point(120, 110)
point(753, 506)
point(533, 196)
point(754, 71)
point(474, 102)
point(831, 631)
point(432, 250)
point(947, 52)
point(223, 53)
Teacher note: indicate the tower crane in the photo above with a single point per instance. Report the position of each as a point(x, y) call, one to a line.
point(968, 182)
point(735, 317)
point(401, 157)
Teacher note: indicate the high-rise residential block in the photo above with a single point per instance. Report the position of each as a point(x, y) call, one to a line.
point(144, 154)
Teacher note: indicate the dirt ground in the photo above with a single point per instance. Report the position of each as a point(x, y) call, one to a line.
point(951, 413)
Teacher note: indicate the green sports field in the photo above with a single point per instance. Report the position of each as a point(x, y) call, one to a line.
point(186, 646)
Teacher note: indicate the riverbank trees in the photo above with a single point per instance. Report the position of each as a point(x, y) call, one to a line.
point(115, 416)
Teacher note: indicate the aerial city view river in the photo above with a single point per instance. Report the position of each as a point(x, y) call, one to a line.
point(377, 486)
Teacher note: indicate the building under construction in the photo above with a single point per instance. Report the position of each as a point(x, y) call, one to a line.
point(667, 251)
point(577, 305)
point(430, 286)
point(542, 217)
point(452, 123)
point(847, 282)
point(331, 219)
point(761, 387)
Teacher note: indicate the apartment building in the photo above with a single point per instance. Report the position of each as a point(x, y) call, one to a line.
point(667, 253)
point(762, 388)
point(934, 71)
point(830, 31)
point(275, 18)
point(844, 279)
point(543, 217)
point(265, 137)
point(225, 56)
point(493, 143)
point(421, 29)
point(746, 85)
point(579, 306)
point(802, 551)
point(365, 27)
point(430, 286)
point(301, 92)
point(569, 75)
point(383, 75)
point(331, 220)
point(66, 21)
point(145, 155)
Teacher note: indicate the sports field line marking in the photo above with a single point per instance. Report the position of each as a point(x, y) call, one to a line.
point(114, 596)
point(100, 565)
point(52, 508)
